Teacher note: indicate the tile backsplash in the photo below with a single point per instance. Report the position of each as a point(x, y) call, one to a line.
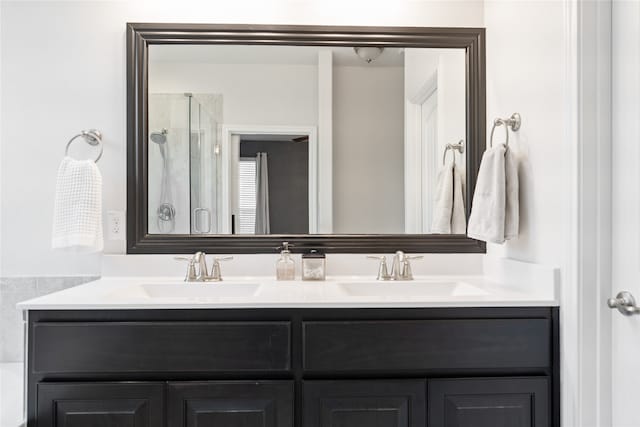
point(16, 289)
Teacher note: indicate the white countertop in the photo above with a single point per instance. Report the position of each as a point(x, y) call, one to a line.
point(111, 293)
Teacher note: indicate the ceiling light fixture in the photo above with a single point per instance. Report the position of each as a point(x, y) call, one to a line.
point(368, 54)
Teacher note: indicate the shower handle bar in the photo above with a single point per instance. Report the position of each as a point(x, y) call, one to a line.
point(196, 223)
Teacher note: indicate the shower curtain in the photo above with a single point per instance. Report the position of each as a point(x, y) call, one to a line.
point(262, 194)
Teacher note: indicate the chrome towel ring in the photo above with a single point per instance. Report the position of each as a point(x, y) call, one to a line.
point(459, 146)
point(512, 122)
point(92, 137)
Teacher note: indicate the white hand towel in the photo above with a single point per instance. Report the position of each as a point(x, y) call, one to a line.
point(494, 212)
point(458, 214)
point(443, 201)
point(77, 213)
point(449, 216)
point(512, 200)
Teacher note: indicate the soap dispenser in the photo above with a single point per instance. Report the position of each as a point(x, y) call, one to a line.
point(285, 267)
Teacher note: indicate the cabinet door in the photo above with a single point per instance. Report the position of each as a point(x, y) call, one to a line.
point(500, 402)
point(230, 404)
point(100, 405)
point(370, 403)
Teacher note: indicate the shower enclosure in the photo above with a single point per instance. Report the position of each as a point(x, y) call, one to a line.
point(184, 163)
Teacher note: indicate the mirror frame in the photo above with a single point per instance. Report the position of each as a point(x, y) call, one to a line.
point(141, 35)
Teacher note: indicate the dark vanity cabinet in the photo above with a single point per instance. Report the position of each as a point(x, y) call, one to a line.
point(438, 367)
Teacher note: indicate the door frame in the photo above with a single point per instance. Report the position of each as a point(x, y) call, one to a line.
point(586, 355)
point(229, 151)
point(415, 157)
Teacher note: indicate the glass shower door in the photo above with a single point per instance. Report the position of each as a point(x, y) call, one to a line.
point(205, 163)
point(184, 164)
point(168, 157)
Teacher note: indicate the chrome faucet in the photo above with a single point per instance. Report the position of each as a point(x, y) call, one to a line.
point(197, 270)
point(401, 267)
point(200, 259)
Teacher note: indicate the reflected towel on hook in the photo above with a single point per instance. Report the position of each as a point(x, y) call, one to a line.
point(77, 213)
point(448, 213)
point(495, 209)
point(458, 214)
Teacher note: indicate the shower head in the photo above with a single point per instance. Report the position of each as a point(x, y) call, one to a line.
point(159, 137)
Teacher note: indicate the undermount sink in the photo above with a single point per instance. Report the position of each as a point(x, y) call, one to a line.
point(411, 289)
point(200, 290)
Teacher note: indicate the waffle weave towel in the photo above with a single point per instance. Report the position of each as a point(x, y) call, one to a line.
point(77, 213)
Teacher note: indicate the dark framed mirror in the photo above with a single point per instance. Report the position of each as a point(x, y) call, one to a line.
point(240, 137)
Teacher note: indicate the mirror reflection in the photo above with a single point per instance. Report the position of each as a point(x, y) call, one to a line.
point(305, 140)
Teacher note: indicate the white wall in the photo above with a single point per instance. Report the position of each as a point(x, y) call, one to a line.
point(368, 150)
point(63, 69)
point(526, 73)
point(255, 94)
point(530, 70)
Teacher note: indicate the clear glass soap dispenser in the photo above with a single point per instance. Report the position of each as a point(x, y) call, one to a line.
point(285, 267)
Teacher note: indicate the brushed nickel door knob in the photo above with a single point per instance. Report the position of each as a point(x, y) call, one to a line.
point(625, 303)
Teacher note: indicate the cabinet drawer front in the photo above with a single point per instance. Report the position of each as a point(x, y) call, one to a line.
point(109, 347)
point(100, 404)
point(380, 403)
point(489, 402)
point(230, 403)
point(422, 345)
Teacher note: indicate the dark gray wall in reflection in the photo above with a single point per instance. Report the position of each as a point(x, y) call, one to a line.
point(288, 183)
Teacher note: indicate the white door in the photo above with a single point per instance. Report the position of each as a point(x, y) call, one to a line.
point(626, 210)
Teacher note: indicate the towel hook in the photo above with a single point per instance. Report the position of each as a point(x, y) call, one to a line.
point(92, 137)
point(459, 146)
point(512, 122)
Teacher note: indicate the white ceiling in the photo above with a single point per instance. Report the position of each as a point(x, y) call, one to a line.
point(248, 54)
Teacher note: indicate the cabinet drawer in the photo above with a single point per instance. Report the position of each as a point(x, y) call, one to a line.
point(423, 345)
point(108, 347)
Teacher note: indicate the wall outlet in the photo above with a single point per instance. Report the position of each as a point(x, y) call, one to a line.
point(115, 225)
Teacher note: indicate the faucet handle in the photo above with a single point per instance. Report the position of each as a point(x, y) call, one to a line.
point(383, 272)
point(191, 268)
point(406, 272)
point(216, 271)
